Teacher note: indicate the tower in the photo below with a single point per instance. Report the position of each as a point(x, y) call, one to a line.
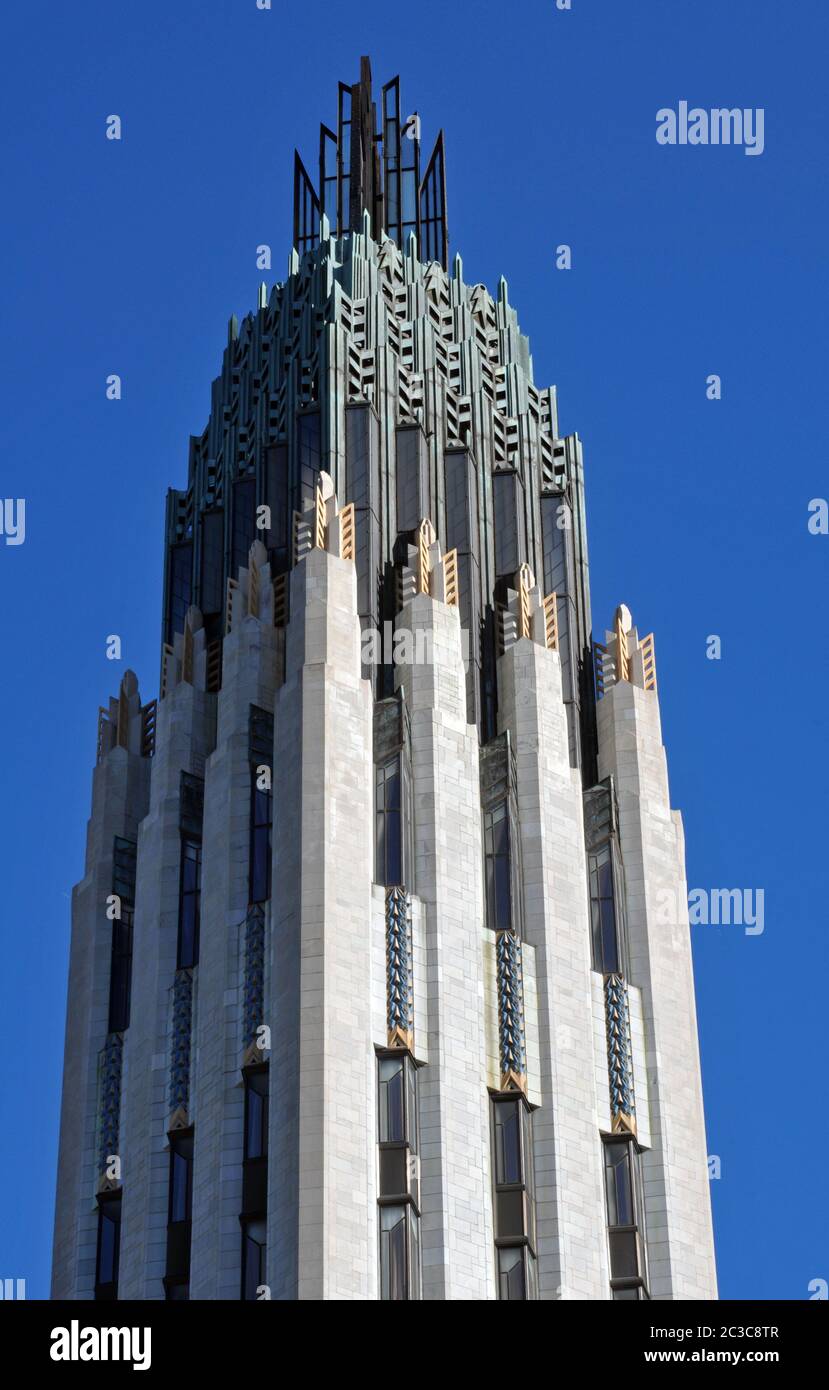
point(380, 980)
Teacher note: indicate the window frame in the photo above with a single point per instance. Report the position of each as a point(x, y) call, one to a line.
point(635, 1228)
point(523, 1187)
point(189, 841)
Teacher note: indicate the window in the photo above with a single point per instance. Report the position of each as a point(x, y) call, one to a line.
point(244, 524)
point(120, 974)
point(606, 957)
point(399, 1190)
point(261, 817)
point(179, 1217)
point(212, 589)
point(517, 1278)
point(512, 1162)
point(189, 903)
point(254, 1248)
point(388, 838)
point(108, 1248)
point(399, 1253)
point(181, 1178)
point(498, 868)
point(254, 1169)
point(256, 1113)
point(179, 587)
point(308, 431)
point(622, 1186)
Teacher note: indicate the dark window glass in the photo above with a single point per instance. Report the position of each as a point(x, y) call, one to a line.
point(120, 975)
point(244, 524)
point(391, 1087)
point(393, 1281)
point(394, 1171)
point(512, 1284)
point(603, 912)
point(624, 1257)
point(178, 1293)
point(389, 845)
point(179, 587)
point(181, 1179)
point(256, 1114)
point(619, 1184)
point(412, 479)
point(507, 1142)
point(308, 429)
point(212, 562)
point(510, 1218)
point(261, 819)
point(498, 872)
point(253, 1257)
point(189, 904)
point(627, 1295)
point(109, 1240)
point(124, 861)
point(279, 505)
point(508, 498)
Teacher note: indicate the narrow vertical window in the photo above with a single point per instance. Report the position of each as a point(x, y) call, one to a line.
point(108, 1248)
point(189, 903)
point(120, 975)
point(261, 818)
point(179, 587)
point(399, 1189)
point(624, 1224)
point(512, 1163)
point(124, 856)
point(498, 868)
point(254, 1248)
point(256, 1113)
point(388, 815)
point(254, 1179)
point(179, 1217)
point(243, 532)
point(606, 956)
point(260, 755)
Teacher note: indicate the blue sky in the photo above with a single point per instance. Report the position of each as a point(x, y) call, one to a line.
point(129, 257)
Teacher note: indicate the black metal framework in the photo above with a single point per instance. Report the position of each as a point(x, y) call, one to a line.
point(514, 1200)
point(434, 238)
point(306, 208)
point(353, 179)
point(625, 1219)
point(108, 1247)
point(399, 1176)
point(179, 1216)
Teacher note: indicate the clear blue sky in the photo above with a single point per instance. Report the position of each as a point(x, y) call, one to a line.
point(130, 257)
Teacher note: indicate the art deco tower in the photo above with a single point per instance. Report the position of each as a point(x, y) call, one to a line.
point(373, 991)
